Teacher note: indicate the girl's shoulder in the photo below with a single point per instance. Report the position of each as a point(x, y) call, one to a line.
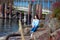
point(36, 20)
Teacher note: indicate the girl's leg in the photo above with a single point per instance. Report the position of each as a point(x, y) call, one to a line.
point(31, 35)
point(32, 31)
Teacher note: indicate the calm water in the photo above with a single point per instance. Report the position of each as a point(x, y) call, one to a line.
point(7, 26)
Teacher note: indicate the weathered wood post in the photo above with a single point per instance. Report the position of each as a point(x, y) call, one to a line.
point(21, 30)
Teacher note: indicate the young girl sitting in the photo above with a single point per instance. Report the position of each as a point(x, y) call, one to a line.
point(35, 25)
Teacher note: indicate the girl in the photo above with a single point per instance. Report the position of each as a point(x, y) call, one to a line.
point(35, 25)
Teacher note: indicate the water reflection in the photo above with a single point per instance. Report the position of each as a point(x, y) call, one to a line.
point(7, 26)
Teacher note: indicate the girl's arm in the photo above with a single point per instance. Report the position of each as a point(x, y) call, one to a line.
point(32, 23)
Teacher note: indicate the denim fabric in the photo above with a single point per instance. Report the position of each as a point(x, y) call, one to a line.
point(34, 29)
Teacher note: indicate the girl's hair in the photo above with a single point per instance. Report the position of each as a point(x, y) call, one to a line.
point(36, 16)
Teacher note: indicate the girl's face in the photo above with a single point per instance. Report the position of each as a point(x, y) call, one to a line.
point(35, 17)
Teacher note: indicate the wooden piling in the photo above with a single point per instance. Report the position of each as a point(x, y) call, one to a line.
point(21, 30)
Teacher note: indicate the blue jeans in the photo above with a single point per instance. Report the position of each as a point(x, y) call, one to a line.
point(34, 29)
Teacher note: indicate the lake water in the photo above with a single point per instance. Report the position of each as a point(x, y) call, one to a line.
point(7, 26)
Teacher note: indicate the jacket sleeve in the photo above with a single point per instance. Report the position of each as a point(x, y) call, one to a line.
point(32, 23)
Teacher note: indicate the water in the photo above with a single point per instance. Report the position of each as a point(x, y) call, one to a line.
point(7, 26)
